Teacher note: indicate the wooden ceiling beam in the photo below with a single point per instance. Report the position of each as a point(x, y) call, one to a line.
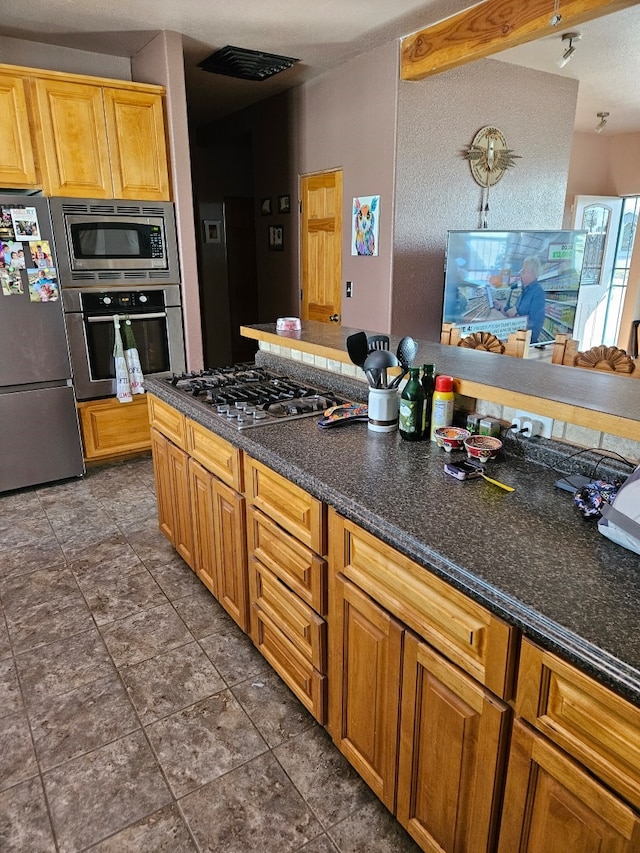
point(492, 26)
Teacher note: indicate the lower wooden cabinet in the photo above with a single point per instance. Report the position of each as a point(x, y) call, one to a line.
point(453, 737)
point(288, 583)
point(364, 677)
point(175, 505)
point(205, 521)
point(552, 805)
point(111, 428)
point(231, 552)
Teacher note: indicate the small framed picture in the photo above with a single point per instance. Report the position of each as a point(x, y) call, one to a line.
point(265, 207)
point(212, 231)
point(284, 204)
point(276, 238)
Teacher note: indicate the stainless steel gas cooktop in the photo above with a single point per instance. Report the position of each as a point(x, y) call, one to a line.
point(248, 396)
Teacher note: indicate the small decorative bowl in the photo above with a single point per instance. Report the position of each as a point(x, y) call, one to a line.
point(482, 447)
point(450, 437)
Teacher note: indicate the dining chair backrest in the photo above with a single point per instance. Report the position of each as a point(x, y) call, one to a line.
point(603, 358)
point(517, 344)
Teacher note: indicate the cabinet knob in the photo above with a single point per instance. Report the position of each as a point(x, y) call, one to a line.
point(334, 318)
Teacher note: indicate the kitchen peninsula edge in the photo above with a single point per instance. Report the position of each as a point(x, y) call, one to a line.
point(586, 398)
point(527, 556)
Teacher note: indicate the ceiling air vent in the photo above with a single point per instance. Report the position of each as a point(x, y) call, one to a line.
point(245, 64)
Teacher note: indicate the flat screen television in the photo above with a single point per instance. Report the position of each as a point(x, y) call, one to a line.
point(503, 281)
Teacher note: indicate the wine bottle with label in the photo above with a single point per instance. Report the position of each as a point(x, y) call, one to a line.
point(412, 407)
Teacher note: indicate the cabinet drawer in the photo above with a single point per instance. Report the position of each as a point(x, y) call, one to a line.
point(215, 454)
point(168, 421)
point(295, 564)
point(287, 504)
point(309, 685)
point(465, 632)
point(587, 720)
point(298, 622)
point(111, 429)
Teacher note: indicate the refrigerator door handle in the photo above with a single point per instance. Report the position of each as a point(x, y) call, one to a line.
point(109, 319)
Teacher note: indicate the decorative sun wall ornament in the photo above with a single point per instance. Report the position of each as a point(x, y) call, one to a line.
point(489, 158)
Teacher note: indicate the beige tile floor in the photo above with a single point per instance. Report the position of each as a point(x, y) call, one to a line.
point(134, 714)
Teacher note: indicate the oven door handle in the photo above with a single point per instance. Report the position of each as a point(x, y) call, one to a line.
point(109, 319)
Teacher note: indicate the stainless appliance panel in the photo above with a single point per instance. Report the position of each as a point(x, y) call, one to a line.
point(126, 271)
point(40, 437)
point(33, 342)
point(159, 338)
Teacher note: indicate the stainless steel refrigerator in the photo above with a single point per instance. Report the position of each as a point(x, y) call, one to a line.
point(39, 433)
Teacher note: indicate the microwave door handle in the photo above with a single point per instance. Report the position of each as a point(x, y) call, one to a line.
point(109, 318)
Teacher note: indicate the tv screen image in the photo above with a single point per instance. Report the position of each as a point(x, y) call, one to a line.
point(503, 281)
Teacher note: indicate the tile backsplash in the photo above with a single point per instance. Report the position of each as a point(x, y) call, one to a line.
point(570, 433)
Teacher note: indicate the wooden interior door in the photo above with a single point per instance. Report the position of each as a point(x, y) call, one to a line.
point(321, 246)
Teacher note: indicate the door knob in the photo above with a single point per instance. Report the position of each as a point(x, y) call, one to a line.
point(334, 318)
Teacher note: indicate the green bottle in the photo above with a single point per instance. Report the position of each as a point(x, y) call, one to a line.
point(428, 386)
point(412, 407)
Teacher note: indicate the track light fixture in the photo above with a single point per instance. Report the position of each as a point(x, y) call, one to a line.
point(602, 123)
point(568, 39)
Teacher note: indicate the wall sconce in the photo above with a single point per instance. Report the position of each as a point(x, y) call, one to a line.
point(602, 123)
point(568, 38)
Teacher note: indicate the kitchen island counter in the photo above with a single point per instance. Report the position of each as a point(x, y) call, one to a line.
point(528, 555)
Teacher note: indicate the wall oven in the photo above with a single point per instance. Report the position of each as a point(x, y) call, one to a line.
point(155, 315)
point(119, 242)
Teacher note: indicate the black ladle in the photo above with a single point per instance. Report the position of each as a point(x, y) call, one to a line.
point(407, 351)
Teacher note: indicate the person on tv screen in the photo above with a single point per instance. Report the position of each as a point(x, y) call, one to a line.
point(530, 303)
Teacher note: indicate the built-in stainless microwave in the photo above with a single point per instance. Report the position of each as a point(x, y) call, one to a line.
point(114, 241)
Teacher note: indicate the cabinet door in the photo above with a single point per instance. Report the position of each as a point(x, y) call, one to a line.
point(231, 553)
point(553, 806)
point(110, 429)
point(17, 167)
point(202, 510)
point(452, 745)
point(137, 144)
point(161, 470)
point(179, 478)
point(73, 138)
point(364, 686)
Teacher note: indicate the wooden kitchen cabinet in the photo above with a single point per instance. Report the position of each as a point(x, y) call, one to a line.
point(111, 429)
point(410, 712)
point(73, 147)
point(170, 465)
point(364, 677)
point(552, 805)
point(100, 142)
point(588, 721)
point(452, 748)
point(286, 532)
point(17, 165)
point(220, 541)
point(137, 144)
point(231, 553)
point(202, 508)
point(203, 517)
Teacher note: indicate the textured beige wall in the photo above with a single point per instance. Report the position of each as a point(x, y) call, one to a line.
point(437, 118)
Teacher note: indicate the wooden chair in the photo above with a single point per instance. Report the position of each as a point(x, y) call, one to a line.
point(606, 359)
point(517, 344)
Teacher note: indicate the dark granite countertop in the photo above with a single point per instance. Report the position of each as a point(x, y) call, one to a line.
point(527, 555)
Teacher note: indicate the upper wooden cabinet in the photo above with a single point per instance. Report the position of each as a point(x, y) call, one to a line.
point(85, 137)
point(99, 142)
point(137, 145)
point(17, 167)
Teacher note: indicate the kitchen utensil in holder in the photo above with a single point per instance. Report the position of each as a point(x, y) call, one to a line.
point(383, 409)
